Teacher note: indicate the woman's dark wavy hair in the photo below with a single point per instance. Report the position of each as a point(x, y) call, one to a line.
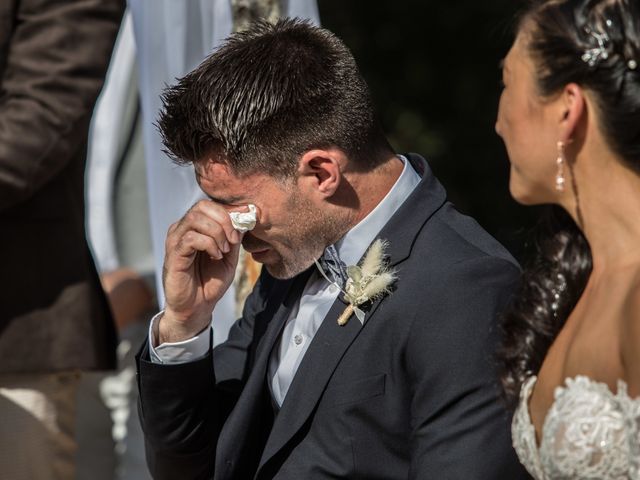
point(557, 35)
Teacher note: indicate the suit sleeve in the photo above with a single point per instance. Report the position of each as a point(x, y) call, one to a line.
point(460, 427)
point(184, 406)
point(55, 67)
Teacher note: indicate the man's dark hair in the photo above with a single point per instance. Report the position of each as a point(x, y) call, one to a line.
point(268, 95)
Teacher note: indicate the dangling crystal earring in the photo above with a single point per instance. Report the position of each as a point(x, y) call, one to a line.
point(560, 165)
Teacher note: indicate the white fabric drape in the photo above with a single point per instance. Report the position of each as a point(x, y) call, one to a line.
point(107, 138)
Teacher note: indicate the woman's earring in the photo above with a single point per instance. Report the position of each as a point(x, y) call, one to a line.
point(560, 161)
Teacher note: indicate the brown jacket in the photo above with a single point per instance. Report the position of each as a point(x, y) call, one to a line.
point(53, 59)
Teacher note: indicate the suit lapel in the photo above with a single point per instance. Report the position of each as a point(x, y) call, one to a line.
point(403, 227)
point(327, 348)
point(233, 436)
point(332, 341)
point(320, 361)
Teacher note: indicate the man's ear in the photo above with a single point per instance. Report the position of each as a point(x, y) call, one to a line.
point(321, 170)
point(572, 103)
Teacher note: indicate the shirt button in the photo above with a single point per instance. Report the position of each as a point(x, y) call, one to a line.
point(298, 339)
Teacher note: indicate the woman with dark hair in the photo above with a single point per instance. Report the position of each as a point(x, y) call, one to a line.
point(570, 119)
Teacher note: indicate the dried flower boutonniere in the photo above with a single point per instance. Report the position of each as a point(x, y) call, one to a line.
point(366, 282)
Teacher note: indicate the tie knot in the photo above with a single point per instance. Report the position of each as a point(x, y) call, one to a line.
point(332, 266)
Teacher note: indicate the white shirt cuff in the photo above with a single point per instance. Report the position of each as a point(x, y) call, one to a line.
point(185, 351)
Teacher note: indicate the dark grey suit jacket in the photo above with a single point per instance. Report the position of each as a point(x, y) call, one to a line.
point(411, 394)
point(53, 59)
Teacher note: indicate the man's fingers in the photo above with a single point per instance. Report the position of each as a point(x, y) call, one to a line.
point(192, 242)
point(195, 221)
point(207, 218)
point(234, 253)
point(172, 237)
point(201, 223)
point(221, 217)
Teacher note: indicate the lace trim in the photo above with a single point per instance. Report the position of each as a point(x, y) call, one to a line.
point(588, 433)
point(523, 433)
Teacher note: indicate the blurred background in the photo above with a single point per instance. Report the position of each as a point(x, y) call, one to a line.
point(433, 69)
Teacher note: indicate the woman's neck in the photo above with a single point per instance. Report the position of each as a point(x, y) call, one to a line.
point(606, 206)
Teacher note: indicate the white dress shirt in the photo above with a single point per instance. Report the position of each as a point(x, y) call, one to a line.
point(314, 304)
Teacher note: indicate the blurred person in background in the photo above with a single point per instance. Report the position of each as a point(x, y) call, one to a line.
point(54, 318)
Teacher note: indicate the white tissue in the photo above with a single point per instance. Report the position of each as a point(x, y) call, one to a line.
point(244, 221)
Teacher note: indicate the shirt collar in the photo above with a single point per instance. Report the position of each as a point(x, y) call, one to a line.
point(352, 246)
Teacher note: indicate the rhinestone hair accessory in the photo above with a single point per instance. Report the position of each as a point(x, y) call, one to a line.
point(557, 292)
point(593, 56)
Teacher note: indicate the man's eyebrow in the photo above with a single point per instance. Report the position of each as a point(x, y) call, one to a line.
point(221, 201)
point(226, 201)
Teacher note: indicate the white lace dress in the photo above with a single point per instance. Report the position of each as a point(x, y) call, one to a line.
point(588, 433)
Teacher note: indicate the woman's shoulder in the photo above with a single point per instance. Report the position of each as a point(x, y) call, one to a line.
point(630, 337)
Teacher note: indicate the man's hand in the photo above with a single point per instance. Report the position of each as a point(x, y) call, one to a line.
point(199, 265)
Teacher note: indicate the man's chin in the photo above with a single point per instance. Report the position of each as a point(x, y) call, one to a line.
point(285, 272)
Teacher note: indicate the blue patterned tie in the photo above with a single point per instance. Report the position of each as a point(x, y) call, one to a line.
point(332, 266)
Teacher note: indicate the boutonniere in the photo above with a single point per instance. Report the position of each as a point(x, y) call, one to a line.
point(366, 282)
